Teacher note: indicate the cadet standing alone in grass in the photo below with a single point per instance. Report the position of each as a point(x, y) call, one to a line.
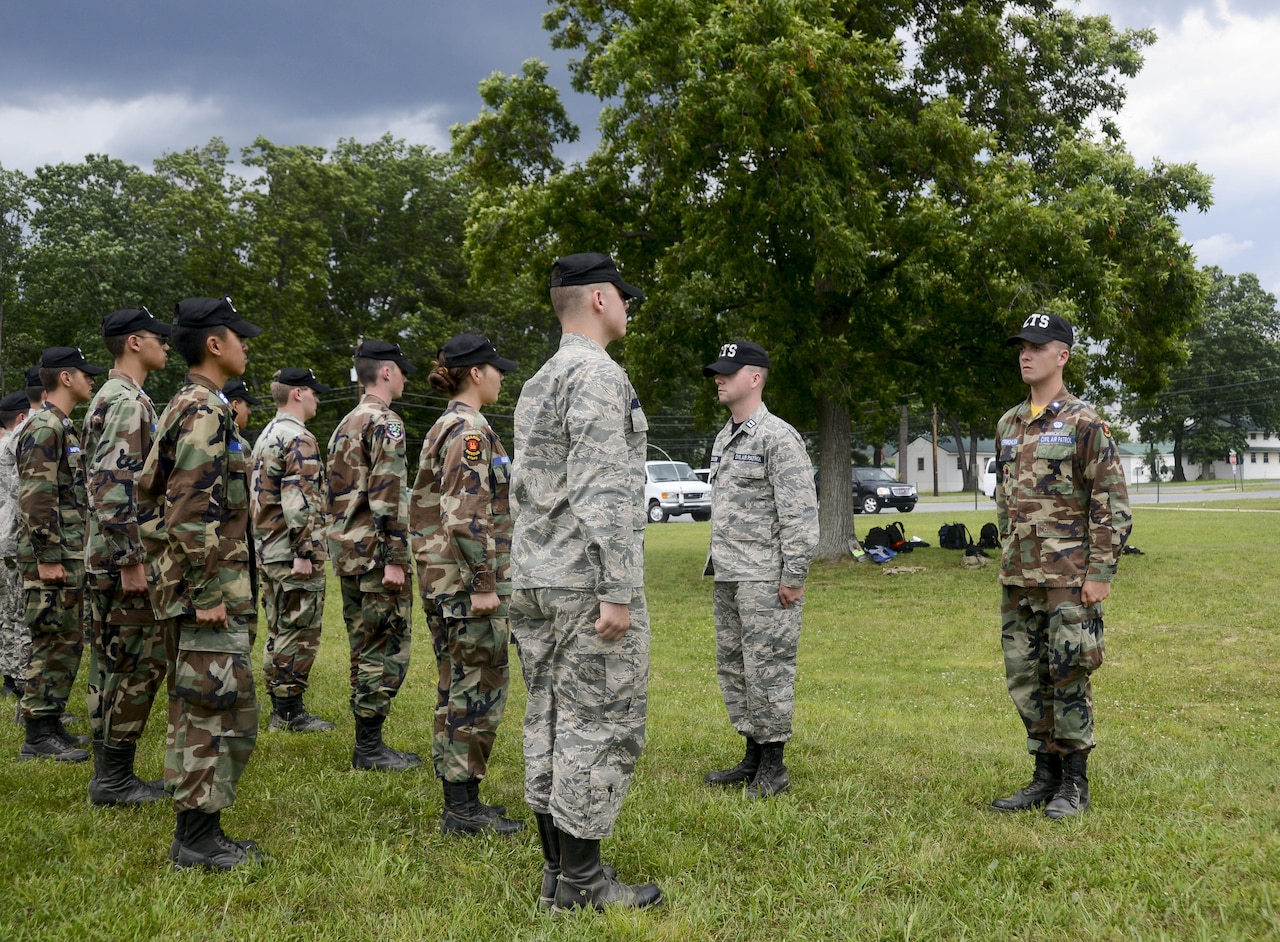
point(1063, 512)
point(460, 512)
point(287, 505)
point(764, 529)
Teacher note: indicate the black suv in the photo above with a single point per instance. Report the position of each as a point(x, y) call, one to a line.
point(874, 488)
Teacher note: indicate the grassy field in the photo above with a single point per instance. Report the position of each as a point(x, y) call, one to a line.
point(904, 732)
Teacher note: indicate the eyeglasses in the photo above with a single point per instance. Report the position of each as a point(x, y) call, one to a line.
point(155, 337)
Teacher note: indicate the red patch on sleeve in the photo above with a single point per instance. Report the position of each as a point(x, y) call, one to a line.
point(471, 447)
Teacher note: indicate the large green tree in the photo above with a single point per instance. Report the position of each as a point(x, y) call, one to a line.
point(1228, 384)
point(13, 222)
point(876, 192)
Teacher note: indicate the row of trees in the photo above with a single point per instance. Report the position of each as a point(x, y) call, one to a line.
point(876, 192)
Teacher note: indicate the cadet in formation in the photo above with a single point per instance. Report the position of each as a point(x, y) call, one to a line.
point(126, 654)
point(764, 514)
point(51, 503)
point(194, 502)
point(369, 542)
point(1063, 513)
point(15, 641)
point(287, 504)
point(577, 570)
point(461, 519)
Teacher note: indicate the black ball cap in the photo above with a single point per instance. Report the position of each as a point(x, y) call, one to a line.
point(1043, 327)
point(15, 402)
point(473, 350)
point(133, 320)
point(61, 358)
point(735, 355)
point(590, 268)
point(381, 350)
point(236, 389)
point(296, 376)
point(33, 376)
point(198, 313)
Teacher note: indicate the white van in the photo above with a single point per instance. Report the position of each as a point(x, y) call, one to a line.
point(671, 488)
point(989, 479)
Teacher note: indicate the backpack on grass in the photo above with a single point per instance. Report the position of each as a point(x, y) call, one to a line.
point(954, 536)
point(989, 538)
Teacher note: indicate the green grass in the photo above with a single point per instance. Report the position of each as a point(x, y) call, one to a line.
point(904, 733)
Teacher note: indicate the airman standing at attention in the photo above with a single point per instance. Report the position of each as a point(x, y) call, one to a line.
point(369, 546)
point(126, 660)
point(287, 501)
point(194, 492)
point(1063, 512)
point(15, 641)
point(51, 502)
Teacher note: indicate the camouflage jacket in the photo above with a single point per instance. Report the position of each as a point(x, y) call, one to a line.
point(286, 493)
point(51, 500)
point(368, 497)
point(460, 510)
point(1061, 500)
point(117, 437)
point(764, 509)
point(193, 499)
point(9, 494)
point(577, 483)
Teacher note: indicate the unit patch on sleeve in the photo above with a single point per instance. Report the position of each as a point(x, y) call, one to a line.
point(471, 447)
point(395, 431)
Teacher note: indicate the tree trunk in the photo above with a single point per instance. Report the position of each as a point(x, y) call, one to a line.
point(835, 506)
point(957, 436)
point(903, 443)
point(1178, 473)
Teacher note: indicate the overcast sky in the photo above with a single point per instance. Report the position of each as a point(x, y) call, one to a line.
point(138, 78)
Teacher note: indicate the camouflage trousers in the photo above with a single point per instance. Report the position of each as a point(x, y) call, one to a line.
point(471, 695)
point(380, 634)
point(126, 660)
point(55, 618)
point(213, 712)
point(15, 640)
point(757, 642)
point(1052, 644)
point(295, 611)
point(587, 704)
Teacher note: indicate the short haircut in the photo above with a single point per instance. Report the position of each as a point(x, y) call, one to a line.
point(115, 344)
point(190, 341)
point(280, 392)
point(49, 376)
point(8, 419)
point(33, 395)
point(367, 369)
point(567, 299)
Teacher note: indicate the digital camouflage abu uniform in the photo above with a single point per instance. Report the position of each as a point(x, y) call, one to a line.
point(461, 518)
point(194, 493)
point(1063, 512)
point(127, 661)
point(15, 640)
point(51, 501)
point(287, 500)
point(578, 493)
point(369, 504)
point(764, 529)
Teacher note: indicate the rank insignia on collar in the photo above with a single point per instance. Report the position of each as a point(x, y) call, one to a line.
point(471, 447)
point(750, 423)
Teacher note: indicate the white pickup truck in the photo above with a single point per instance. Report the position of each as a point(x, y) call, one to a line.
point(671, 488)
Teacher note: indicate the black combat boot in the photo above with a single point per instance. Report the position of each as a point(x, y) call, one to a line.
point(372, 753)
point(741, 773)
point(549, 835)
point(65, 735)
point(10, 688)
point(289, 714)
point(584, 882)
point(200, 842)
point(1072, 796)
point(461, 815)
point(771, 778)
point(1044, 783)
point(473, 791)
point(43, 742)
point(114, 782)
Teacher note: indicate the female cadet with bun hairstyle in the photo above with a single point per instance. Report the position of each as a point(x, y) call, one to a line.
point(460, 518)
